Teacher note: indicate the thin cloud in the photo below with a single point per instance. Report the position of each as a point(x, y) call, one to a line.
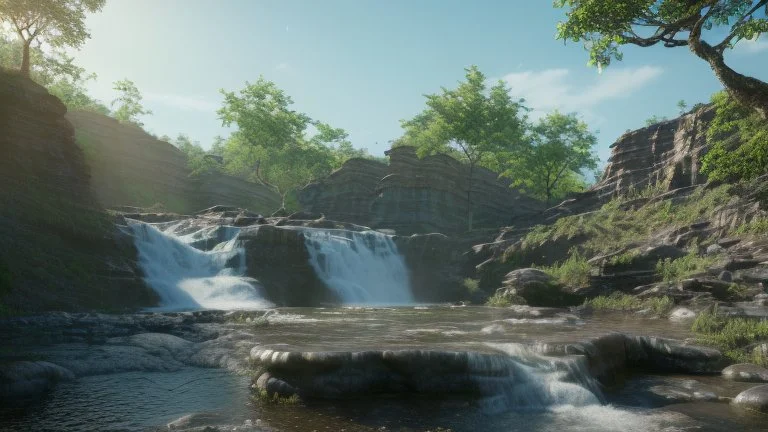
point(751, 46)
point(187, 103)
point(554, 89)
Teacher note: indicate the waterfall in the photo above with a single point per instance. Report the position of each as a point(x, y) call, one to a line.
point(199, 270)
point(360, 267)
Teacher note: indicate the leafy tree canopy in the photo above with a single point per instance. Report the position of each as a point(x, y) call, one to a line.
point(128, 103)
point(560, 148)
point(739, 142)
point(605, 25)
point(59, 23)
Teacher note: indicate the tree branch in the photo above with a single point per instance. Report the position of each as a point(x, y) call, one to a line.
point(740, 22)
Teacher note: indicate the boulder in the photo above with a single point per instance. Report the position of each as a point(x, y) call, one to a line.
point(753, 399)
point(746, 372)
point(25, 381)
point(537, 288)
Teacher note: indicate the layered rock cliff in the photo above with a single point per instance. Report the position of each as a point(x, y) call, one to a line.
point(132, 168)
point(58, 248)
point(415, 195)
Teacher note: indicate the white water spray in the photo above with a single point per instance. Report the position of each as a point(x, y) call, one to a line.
point(187, 278)
point(361, 267)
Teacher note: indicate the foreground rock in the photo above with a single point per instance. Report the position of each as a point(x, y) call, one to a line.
point(24, 380)
point(746, 372)
point(754, 399)
point(536, 288)
point(348, 374)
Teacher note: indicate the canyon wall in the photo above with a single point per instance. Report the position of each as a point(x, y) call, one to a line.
point(132, 168)
point(58, 248)
point(415, 195)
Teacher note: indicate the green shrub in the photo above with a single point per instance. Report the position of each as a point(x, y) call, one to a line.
point(755, 226)
point(573, 272)
point(625, 302)
point(471, 285)
point(504, 300)
point(678, 269)
point(274, 398)
point(731, 335)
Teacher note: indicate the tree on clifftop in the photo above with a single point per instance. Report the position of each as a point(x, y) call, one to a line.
point(605, 25)
point(470, 121)
point(560, 148)
point(128, 103)
point(57, 22)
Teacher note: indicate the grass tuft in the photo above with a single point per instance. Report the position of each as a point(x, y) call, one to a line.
point(732, 335)
point(625, 302)
point(573, 272)
point(678, 269)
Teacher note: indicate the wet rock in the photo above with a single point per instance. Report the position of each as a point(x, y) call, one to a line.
point(537, 288)
point(725, 276)
point(24, 381)
point(746, 372)
point(753, 399)
point(682, 314)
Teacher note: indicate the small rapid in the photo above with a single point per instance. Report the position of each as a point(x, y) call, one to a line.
point(203, 269)
point(360, 267)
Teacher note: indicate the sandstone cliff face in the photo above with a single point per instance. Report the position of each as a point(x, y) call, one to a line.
point(412, 195)
point(667, 154)
point(132, 168)
point(58, 249)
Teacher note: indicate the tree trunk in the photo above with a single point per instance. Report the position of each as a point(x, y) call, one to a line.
point(469, 196)
point(25, 69)
point(750, 92)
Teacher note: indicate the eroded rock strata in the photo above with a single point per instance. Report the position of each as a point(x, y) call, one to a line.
point(59, 249)
point(413, 195)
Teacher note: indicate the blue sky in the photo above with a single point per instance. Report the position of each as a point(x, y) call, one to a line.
point(363, 65)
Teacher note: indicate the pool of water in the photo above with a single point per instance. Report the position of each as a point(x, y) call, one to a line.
point(148, 401)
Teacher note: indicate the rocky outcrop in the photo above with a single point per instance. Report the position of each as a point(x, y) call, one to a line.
point(754, 399)
point(666, 155)
point(59, 249)
point(132, 168)
point(415, 195)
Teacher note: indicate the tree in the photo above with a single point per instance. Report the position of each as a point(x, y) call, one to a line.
point(652, 120)
point(60, 23)
point(738, 140)
point(128, 103)
point(560, 148)
point(605, 25)
point(57, 72)
point(470, 121)
point(273, 143)
point(682, 106)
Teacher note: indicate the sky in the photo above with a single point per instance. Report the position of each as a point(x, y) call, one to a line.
point(364, 65)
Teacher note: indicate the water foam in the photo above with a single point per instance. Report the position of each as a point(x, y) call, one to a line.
point(360, 267)
point(187, 278)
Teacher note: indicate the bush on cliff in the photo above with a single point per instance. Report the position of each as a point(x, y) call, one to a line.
point(739, 142)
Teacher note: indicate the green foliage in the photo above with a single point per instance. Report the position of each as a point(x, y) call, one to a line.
point(625, 258)
point(757, 226)
point(471, 121)
point(624, 302)
point(471, 285)
point(273, 143)
point(739, 142)
point(605, 26)
point(681, 268)
point(682, 106)
point(500, 299)
point(732, 335)
point(573, 272)
point(264, 397)
point(199, 161)
point(616, 226)
point(59, 23)
point(128, 103)
point(654, 119)
point(57, 72)
point(559, 148)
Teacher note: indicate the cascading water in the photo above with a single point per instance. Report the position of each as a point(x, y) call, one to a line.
point(361, 267)
point(186, 277)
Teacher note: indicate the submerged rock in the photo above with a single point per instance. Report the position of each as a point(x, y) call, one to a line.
point(746, 372)
point(754, 399)
point(23, 381)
